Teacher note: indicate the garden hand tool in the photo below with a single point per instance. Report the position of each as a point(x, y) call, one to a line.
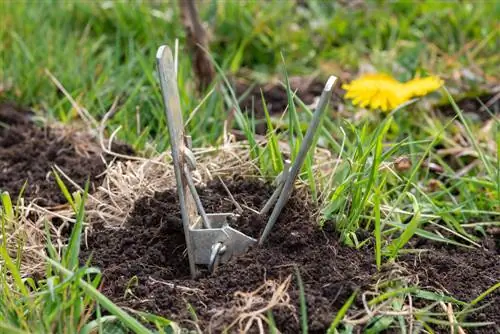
point(210, 240)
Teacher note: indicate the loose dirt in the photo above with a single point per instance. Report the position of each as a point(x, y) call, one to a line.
point(145, 266)
point(29, 152)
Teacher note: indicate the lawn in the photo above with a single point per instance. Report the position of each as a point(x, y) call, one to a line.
point(393, 224)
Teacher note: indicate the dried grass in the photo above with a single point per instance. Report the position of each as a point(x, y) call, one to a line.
point(127, 181)
point(25, 237)
point(250, 308)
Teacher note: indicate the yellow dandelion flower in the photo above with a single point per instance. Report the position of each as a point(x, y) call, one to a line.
point(423, 86)
point(381, 91)
point(376, 91)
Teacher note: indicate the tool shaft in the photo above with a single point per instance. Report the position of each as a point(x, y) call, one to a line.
point(301, 156)
point(279, 187)
point(170, 93)
point(196, 197)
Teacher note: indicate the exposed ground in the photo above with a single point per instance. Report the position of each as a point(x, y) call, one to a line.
point(461, 273)
point(145, 266)
point(29, 152)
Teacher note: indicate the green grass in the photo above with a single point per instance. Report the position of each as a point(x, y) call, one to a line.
point(64, 300)
point(102, 52)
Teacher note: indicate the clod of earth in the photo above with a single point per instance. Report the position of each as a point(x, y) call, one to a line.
point(151, 245)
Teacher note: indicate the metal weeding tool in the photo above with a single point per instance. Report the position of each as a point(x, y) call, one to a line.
point(209, 238)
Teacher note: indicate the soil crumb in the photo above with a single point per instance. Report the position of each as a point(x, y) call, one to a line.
point(29, 152)
point(150, 248)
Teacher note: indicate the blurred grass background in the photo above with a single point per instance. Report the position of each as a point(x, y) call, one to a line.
point(103, 50)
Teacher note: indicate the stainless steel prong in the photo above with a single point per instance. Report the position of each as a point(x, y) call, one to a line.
point(301, 156)
point(279, 187)
point(196, 197)
point(170, 93)
point(274, 197)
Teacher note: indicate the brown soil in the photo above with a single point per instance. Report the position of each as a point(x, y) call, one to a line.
point(461, 273)
point(29, 152)
point(151, 248)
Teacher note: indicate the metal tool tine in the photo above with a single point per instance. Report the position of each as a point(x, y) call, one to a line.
point(215, 242)
point(279, 187)
point(196, 197)
point(297, 164)
point(168, 82)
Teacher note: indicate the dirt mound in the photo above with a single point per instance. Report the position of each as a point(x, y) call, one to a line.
point(145, 268)
point(152, 244)
point(28, 154)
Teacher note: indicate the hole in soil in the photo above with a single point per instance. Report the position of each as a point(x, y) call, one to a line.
point(145, 268)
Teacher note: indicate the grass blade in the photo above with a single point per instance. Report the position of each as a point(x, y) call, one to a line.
point(14, 271)
point(73, 250)
point(477, 300)
point(341, 313)
point(471, 136)
point(303, 305)
point(378, 234)
point(64, 189)
point(409, 230)
point(5, 328)
point(8, 209)
point(124, 317)
point(295, 129)
point(274, 150)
